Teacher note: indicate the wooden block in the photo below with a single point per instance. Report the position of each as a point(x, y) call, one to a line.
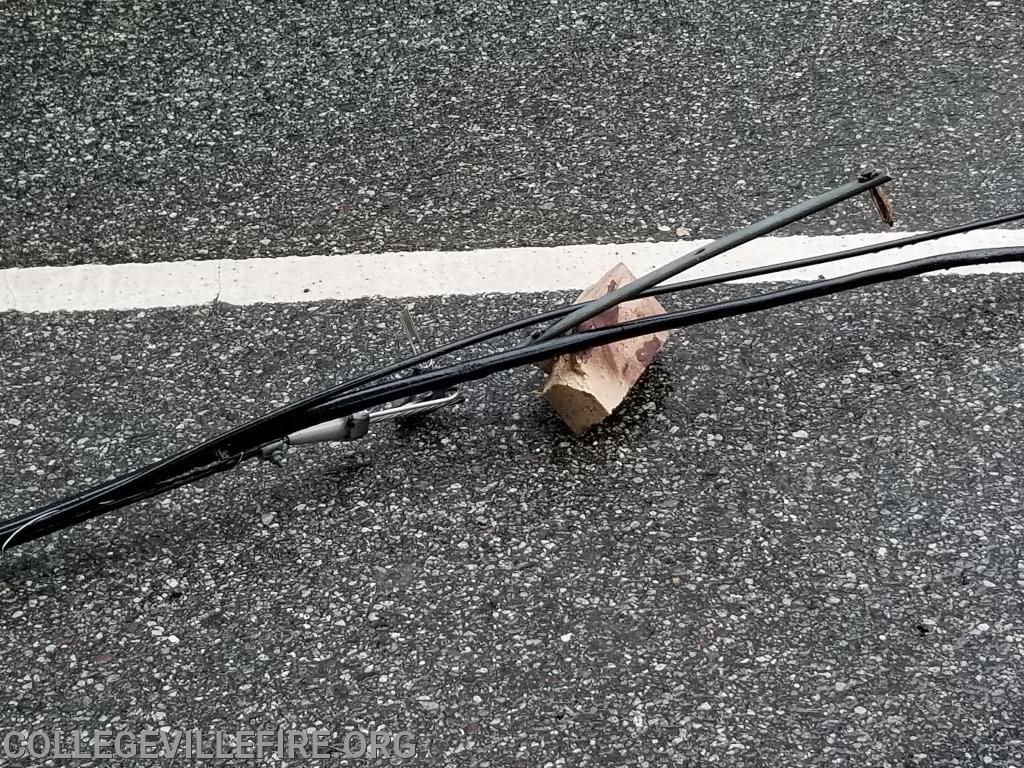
point(585, 387)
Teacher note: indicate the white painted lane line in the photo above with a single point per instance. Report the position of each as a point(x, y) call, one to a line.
point(427, 273)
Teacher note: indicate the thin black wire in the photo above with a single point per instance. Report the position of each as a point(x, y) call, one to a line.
point(480, 367)
point(470, 370)
point(663, 290)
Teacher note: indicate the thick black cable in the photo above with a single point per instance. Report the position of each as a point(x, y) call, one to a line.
point(500, 361)
point(37, 520)
point(330, 394)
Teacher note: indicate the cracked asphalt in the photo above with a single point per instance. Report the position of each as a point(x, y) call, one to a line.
point(799, 544)
point(153, 131)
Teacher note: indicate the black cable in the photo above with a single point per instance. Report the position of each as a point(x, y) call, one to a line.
point(500, 361)
point(309, 416)
point(37, 522)
point(863, 183)
point(327, 396)
point(662, 290)
point(470, 370)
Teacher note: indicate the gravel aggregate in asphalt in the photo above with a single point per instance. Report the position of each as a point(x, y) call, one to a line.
point(153, 131)
point(799, 544)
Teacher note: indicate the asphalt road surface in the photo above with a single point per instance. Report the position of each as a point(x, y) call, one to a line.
point(153, 131)
point(798, 544)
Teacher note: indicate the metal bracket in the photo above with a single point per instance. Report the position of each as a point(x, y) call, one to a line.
point(412, 333)
point(357, 425)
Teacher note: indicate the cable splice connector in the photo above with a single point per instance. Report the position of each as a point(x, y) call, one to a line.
point(352, 427)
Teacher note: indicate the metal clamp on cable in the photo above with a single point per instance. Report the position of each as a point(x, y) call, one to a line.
point(357, 425)
point(353, 426)
point(346, 428)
